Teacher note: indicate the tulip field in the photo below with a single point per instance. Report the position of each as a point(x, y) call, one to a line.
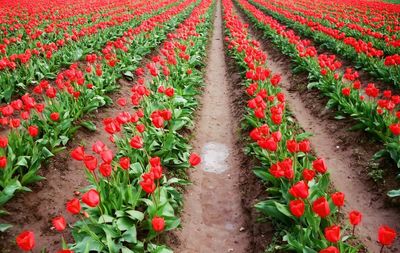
point(199, 126)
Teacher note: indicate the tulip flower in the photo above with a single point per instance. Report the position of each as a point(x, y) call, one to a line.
point(332, 233)
point(54, 116)
point(125, 163)
point(194, 159)
point(338, 199)
point(297, 207)
point(33, 131)
point(355, 219)
point(299, 190)
point(386, 236)
point(158, 224)
point(26, 240)
point(91, 198)
point(330, 249)
point(59, 223)
point(78, 153)
point(321, 207)
point(319, 165)
point(73, 206)
point(136, 142)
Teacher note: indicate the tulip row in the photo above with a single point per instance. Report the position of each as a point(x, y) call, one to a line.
point(376, 116)
point(360, 52)
point(32, 67)
point(299, 200)
point(57, 31)
point(131, 199)
point(341, 26)
point(76, 93)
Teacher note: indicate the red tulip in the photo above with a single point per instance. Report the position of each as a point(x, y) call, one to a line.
point(98, 147)
point(386, 235)
point(136, 142)
point(308, 175)
point(105, 169)
point(194, 159)
point(338, 199)
point(91, 198)
point(395, 128)
point(125, 163)
point(3, 141)
point(155, 161)
point(148, 184)
point(320, 166)
point(330, 249)
point(33, 131)
point(355, 217)
point(158, 224)
point(73, 206)
point(140, 128)
point(299, 190)
point(332, 233)
point(107, 156)
point(65, 251)
point(90, 162)
point(157, 172)
point(26, 240)
point(54, 116)
point(78, 153)
point(297, 207)
point(292, 146)
point(321, 207)
point(169, 92)
point(59, 223)
point(304, 146)
point(3, 162)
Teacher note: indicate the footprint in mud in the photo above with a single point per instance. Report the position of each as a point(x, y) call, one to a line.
point(214, 156)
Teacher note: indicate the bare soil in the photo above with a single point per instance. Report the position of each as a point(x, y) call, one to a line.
point(347, 153)
point(213, 219)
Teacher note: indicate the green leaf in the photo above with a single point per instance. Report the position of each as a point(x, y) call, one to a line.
point(124, 223)
point(4, 227)
point(394, 193)
point(137, 215)
point(89, 125)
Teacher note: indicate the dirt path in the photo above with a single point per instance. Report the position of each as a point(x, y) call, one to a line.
point(342, 150)
point(213, 219)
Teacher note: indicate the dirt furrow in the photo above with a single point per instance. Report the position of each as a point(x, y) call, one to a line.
point(213, 219)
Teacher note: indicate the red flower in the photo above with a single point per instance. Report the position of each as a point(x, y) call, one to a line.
point(105, 169)
point(3, 142)
point(98, 147)
point(386, 235)
point(65, 251)
point(346, 91)
point(155, 161)
point(125, 163)
point(304, 146)
point(355, 217)
point(321, 207)
point(78, 153)
point(148, 184)
point(140, 128)
point(292, 146)
point(3, 162)
point(299, 190)
point(169, 92)
point(297, 207)
point(136, 142)
point(157, 172)
point(90, 162)
point(59, 223)
point(320, 166)
point(107, 156)
point(33, 131)
point(338, 199)
point(194, 159)
point(332, 233)
point(54, 116)
point(73, 206)
point(91, 198)
point(395, 128)
point(308, 175)
point(26, 240)
point(158, 224)
point(330, 249)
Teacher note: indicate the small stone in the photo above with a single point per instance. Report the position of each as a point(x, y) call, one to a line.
point(337, 147)
point(241, 229)
point(230, 250)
